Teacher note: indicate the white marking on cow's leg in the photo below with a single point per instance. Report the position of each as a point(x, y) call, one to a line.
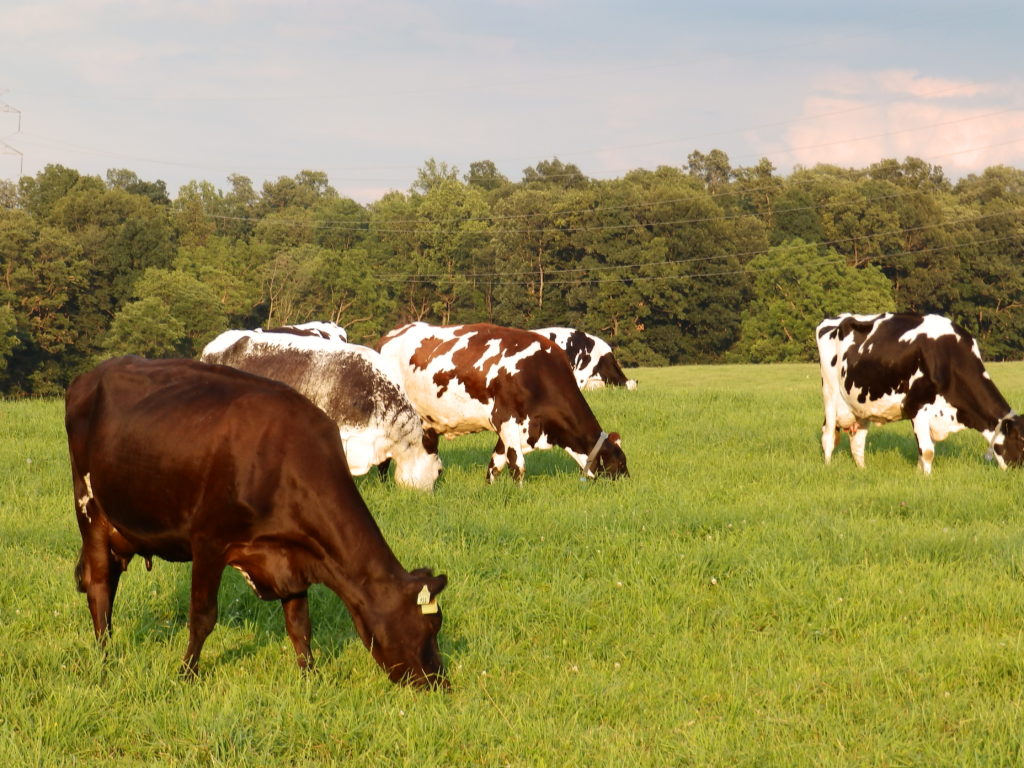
point(858, 439)
point(498, 461)
point(86, 497)
point(925, 445)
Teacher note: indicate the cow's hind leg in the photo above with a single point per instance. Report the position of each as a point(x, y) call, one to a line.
point(858, 439)
point(296, 621)
point(207, 569)
point(98, 573)
point(829, 433)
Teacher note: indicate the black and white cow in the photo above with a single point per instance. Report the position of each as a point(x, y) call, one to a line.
point(925, 368)
point(361, 391)
point(591, 358)
point(469, 378)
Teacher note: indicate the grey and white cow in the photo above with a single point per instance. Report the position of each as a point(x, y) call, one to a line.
point(360, 390)
point(592, 360)
point(924, 368)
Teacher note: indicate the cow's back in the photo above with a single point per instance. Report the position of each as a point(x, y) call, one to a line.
point(174, 447)
point(468, 378)
point(355, 386)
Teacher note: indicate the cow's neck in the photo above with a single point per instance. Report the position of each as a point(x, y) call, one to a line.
point(581, 441)
point(983, 408)
point(358, 563)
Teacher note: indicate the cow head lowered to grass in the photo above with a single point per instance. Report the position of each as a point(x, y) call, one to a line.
point(203, 463)
point(925, 368)
point(469, 378)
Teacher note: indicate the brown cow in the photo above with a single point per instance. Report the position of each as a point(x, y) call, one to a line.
point(203, 463)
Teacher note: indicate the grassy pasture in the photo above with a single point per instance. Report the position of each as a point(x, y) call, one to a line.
point(734, 602)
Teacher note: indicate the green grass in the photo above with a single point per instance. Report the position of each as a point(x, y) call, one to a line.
point(734, 602)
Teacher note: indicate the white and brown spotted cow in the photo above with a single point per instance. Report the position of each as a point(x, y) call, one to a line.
point(469, 378)
point(352, 384)
point(592, 359)
point(925, 368)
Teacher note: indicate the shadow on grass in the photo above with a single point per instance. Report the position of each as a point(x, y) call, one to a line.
point(238, 608)
point(885, 441)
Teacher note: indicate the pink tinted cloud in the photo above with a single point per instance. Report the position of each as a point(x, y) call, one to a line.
point(857, 119)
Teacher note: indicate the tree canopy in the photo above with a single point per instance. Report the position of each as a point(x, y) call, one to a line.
point(701, 262)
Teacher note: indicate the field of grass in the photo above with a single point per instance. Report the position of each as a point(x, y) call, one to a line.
point(734, 602)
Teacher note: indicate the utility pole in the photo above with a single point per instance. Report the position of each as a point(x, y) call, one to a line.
point(5, 148)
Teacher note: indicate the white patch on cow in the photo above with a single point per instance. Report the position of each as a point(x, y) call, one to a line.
point(224, 342)
point(393, 431)
point(247, 577)
point(456, 412)
point(510, 363)
point(331, 331)
point(493, 349)
point(932, 327)
point(86, 497)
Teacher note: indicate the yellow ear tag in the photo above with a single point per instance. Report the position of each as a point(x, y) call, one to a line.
point(426, 603)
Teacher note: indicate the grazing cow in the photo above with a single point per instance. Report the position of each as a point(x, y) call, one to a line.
point(352, 384)
point(591, 358)
point(194, 462)
point(888, 367)
point(468, 378)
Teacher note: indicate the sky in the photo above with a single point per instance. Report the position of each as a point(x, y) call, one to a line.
point(368, 90)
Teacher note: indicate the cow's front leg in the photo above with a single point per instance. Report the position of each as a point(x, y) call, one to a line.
point(925, 444)
point(498, 461)
point(296, 621)
point(202, 611)
point(509, 450)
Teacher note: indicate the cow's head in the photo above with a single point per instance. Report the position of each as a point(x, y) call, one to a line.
point(418, 469)
point(1008, 444)
point(609, 461)
point(401, 627)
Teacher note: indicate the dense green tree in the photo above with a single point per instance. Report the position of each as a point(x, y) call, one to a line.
point(432, 174)
point(795, 286)
point(485, 174)
point(555, 173)
point(145, 327)
point(304, 190)
point(712, 169)
point(231, 269)
point(154, 191)
point(38, 194)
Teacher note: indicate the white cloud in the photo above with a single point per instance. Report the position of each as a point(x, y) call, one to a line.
point(856, 119)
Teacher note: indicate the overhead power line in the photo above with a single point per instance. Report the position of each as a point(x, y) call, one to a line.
point(5, 148)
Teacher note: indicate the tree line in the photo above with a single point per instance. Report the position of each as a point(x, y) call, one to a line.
point(701, 262)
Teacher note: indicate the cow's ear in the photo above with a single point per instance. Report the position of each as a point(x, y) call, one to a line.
point(424, 578)
point(616, 438)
